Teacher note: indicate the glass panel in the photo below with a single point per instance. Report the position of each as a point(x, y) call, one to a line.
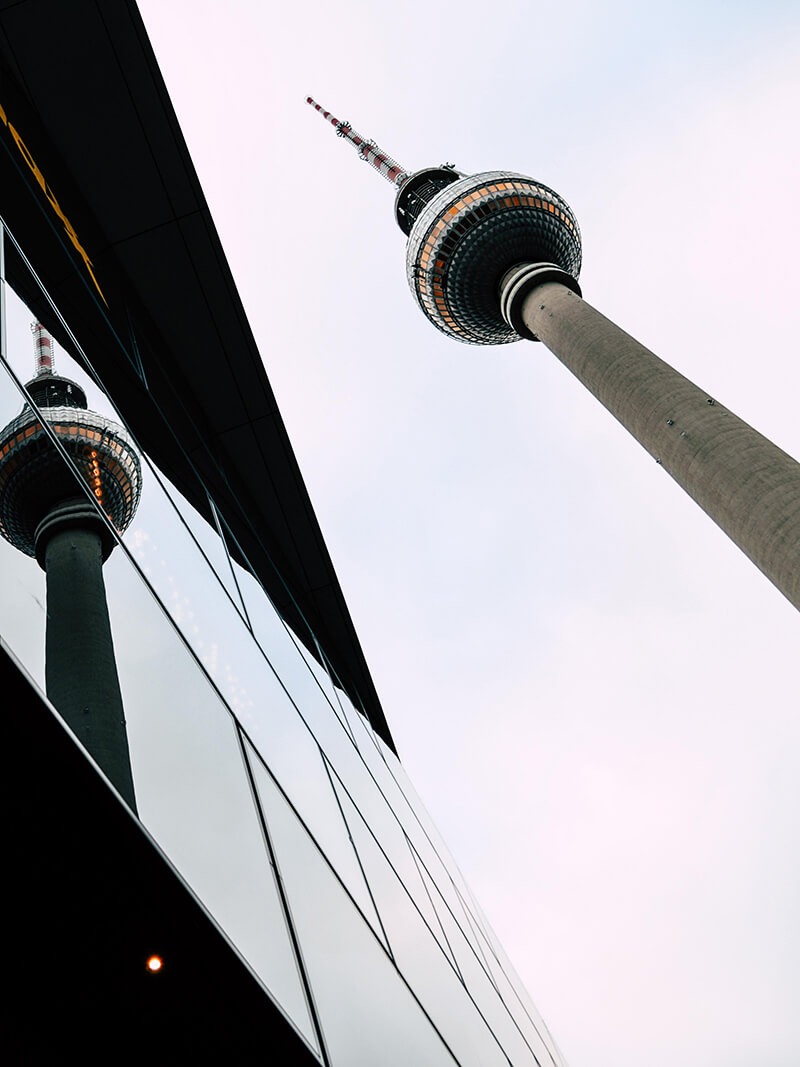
point(22, 604)
point(368, 1014)
point(3, 331)
point(430, 848)
point(420, 957)
point(521, 1046)
point(289, 742)
point(435, 863)
point(295, 760)
point(304, 679)
point(191, 786)
point(403, 868)
point(209, 540)
point(434, 859)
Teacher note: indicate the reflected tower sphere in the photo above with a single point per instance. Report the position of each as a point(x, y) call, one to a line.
point(46, 512)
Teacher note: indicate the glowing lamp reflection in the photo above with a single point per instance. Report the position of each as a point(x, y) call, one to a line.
point(155, 963)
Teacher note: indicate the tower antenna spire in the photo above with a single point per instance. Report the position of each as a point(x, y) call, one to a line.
point(389, 168)
point(42, 350)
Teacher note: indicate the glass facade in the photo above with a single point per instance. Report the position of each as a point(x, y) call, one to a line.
point(270, 793)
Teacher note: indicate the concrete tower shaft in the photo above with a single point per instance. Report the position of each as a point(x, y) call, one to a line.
point(745, 483)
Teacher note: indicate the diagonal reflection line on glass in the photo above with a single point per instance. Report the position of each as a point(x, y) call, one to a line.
point(135, 347)
point(216, 515)
point(337, 687)
point(341, 716)
point(358, 857)
point(392, 867)
point(301, 650)
point(228, 538)
point(387, 869)
point(477, 940)
point(459, 922)
point(468, 922)
point(296, 947)
point(276, 785)
point(417, 862)
point(312, 837)
point(539, 1026)
point(3, 341)
point(441, 908)
point(374, 743)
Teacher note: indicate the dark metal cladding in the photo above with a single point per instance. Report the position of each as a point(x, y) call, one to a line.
point(418, 190)
point(53, 391)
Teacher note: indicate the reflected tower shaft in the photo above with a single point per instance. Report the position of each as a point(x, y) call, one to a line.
point(46, 512)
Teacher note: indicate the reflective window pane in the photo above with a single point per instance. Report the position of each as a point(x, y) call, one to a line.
point(427, 966)
point(368, 1014)
point(192, 789)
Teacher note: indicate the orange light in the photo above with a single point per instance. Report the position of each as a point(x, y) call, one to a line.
point(155, 963)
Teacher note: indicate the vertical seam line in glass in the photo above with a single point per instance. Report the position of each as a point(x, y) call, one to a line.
point(273, 859)
point(2, 290)
point(358, 857)
point(215, 513)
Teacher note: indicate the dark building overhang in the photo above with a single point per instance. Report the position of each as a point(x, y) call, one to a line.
point(98, 185)
point(89, 898)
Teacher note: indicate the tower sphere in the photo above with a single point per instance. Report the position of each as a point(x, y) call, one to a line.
point(466, 233)
point(34, 478)
point(469, 234)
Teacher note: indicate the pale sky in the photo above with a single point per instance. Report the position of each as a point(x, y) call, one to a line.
point(593, 690)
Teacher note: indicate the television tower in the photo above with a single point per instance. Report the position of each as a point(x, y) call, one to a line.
point(495, 257)
point(44, 513)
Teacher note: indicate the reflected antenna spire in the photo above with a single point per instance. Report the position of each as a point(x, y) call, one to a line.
point(42, 350)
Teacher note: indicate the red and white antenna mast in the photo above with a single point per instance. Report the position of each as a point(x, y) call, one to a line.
point(389, 168)
point(43, 350)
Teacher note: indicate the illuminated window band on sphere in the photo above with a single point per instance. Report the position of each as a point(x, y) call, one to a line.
point(33, 476)
point(466, 238)
point(465, 233)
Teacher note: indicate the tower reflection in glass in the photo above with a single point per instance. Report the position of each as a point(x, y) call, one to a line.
point(45, 512)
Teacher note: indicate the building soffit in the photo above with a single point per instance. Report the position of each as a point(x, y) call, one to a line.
point(82, 81)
